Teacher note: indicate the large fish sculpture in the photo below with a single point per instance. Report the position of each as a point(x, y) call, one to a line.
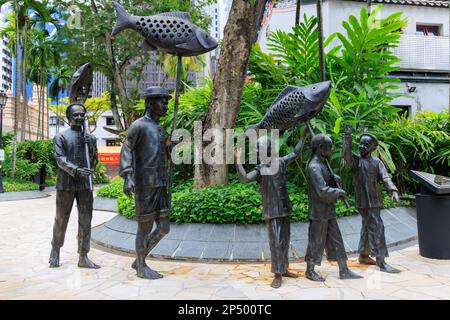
point(171, 32)
point(295, 105)
point(81, 83)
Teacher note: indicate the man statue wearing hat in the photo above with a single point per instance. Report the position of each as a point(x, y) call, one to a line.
point(143, 166)
point(368, 171)
point(73, 183)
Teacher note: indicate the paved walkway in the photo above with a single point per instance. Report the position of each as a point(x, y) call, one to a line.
point(230, 242)
point(26, 228)
point(23, 195)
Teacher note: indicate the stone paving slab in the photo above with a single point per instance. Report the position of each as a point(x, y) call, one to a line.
point(23, 195)
point(105, 204)
point(24, 271)
point(230, 242)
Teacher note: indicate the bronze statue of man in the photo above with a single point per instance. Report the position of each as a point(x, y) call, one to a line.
point(143, 166)
point(277, 208)
point(323, 227)
point(73, 183)
point(368, 171)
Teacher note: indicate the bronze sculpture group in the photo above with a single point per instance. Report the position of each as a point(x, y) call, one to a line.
point(145, 155)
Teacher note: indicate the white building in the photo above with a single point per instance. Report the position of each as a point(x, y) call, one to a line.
point(219, 13)
point(99, 84)
point(104, 138)
point(5, 55)
point(423, 50)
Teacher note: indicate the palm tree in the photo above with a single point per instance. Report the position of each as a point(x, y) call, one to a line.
point(320, 34)
point(169, 65)
point(43, 54)
point(21, 9)
point(61, 80)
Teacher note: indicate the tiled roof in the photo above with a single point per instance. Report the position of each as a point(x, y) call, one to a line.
point(425, 3)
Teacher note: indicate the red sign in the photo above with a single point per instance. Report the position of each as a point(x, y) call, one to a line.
point(109, 158)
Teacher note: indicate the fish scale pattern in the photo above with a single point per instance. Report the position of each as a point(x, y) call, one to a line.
point(164, 28)
point(281, 114)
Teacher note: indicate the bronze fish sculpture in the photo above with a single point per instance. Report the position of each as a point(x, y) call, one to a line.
point(295, 105)
point(171, 32)
point(81, 83)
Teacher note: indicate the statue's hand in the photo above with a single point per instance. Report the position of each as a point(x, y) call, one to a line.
point(237, 153)
point(337, 179)
point(84, 172)
point(396, 197)
point(348, 129)
point(342, 194)
point(128, 187)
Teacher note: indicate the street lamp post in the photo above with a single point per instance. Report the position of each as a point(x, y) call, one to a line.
point(3, 99)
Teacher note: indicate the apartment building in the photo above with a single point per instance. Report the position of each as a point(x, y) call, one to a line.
point(5, 54)
point(423, 49)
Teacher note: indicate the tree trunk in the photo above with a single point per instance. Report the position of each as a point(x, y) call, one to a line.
point(118, 80)
point(38, 130)
point(114, 108)
point(320, 34)
point(239, 35)
point(17, 98)
point(24, 80)
point(298, 12)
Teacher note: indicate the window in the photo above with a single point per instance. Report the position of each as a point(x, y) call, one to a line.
point(404, 110)
point(113, 143)
point(53, 121)
point(110, 121)
point(427, 30)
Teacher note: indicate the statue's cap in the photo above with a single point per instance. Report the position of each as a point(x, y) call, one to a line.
point(156, 92)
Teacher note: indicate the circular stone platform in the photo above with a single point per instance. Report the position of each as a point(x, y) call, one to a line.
point(231, 243)
point(25, 195)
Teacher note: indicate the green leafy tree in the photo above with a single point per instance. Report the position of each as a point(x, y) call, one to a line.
point(91, 41)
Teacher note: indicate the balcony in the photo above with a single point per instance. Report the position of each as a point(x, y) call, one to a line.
point(423, 53)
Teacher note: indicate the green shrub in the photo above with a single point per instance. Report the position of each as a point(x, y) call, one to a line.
point(125, 206)
point(17, 186)
point(100, 175)
point(25, 170)
point(112, 190)
point(234, 203)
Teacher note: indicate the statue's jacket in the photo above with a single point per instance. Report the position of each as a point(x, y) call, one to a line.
point(276, 202)
point(322, 196)
point(144, 155)
point(70, 154)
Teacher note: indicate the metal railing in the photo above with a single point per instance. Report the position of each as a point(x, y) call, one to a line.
point(427, 53)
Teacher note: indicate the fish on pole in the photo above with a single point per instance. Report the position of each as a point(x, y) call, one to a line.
point(295, 105)
point(170, 32)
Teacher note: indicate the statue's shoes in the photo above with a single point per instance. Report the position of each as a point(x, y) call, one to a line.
point(314, 276)
point(276, 283)
point(366, 261)
point(148, 273)
point(384, 267)
point(289, 274)
point(87, 263)
point(348, 274)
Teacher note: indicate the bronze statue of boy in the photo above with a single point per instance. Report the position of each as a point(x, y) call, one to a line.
point(73, 183)
point(323, 227)
point(277, 209)
point(368, 171)
point(143, 160)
